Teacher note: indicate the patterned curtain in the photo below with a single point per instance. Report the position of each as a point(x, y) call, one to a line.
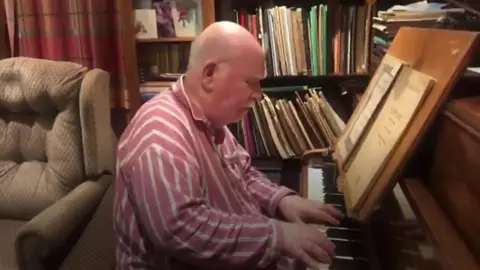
point(81, 31)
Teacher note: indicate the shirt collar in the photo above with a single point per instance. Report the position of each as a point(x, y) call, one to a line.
point(195, 110)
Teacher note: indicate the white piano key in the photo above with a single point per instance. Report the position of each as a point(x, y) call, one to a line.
point(324, 228)
point(325, 266)
point(343, 239)
point(315, 184)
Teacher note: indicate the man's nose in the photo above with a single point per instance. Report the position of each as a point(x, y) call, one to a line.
point(257, 95)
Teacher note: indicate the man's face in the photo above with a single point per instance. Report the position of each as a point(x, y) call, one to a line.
point(235, 86)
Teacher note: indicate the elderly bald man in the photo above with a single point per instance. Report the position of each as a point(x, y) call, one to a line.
point(187, 196)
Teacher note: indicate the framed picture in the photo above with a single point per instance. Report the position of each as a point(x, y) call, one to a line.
point(145, 24)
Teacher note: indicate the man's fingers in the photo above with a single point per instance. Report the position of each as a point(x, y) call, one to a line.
point(332, 210)
point(325, 216)
point(308, 260)
point(319, 254)
point(298, 220)
point(322, 242)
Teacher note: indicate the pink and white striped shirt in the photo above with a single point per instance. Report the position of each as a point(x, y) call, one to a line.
point(187, 196)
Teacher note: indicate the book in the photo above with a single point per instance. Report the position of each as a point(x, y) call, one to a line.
point(316, 40)
point(286, 127)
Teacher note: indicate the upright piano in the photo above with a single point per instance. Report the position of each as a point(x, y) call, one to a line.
point(420, 209)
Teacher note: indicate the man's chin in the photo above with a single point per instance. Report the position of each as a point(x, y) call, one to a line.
point(239, 118)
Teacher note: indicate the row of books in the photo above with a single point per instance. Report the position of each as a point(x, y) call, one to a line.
point(154, 61)
point(287, 127)
point(317, 40)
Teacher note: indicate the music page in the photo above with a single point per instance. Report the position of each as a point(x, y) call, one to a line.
point(377, 90)
point(406, 96)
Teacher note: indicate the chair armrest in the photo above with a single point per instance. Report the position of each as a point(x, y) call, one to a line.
point(95, 248)
point(50, 228)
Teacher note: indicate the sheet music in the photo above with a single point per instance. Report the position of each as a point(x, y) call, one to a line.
point(388, 71)
point(408, 92)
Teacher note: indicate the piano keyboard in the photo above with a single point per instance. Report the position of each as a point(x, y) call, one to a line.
point(350, 251)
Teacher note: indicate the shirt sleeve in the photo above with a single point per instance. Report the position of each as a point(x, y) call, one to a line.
point(167, 192)
point(267, 193)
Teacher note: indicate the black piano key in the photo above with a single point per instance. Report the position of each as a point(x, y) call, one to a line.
point(334, 198)
point(329, 173)
point(348, 264)
point(329, 188)
point(353, 249)
point(339, 233)
point(349, 223)
point(340, 208)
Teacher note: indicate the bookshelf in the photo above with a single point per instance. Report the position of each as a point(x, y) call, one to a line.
point(339, 86)
point(307, 37)
point(317, 58)
point(340, 91)
point(298, 114)
point(161, 53)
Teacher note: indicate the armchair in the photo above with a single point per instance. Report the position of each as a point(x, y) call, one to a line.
point(57, 160)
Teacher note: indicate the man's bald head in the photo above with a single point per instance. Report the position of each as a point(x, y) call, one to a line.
point(222, 41)
point(225, 68)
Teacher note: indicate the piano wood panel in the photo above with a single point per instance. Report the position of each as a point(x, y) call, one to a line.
point(401, 242)
point(452, 251)
point(455, 174)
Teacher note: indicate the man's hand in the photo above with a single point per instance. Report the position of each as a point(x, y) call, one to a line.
point(306, 244)
point(297, 209)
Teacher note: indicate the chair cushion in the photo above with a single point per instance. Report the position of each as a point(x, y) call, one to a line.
point(9, 229)
point(41, 156)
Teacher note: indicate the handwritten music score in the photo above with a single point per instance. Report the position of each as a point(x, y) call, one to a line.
point(406, 96)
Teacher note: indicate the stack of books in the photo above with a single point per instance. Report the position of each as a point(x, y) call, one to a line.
point(420, 14)
point(287, 127)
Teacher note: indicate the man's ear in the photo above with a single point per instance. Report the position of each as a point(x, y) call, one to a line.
point(208, 75)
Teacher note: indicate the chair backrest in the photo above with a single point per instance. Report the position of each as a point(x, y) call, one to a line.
point(47, 129)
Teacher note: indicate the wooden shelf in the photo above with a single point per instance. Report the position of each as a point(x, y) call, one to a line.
point(166, 40)
point(313, 81)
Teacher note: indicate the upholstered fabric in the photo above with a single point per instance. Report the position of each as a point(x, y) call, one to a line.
point(40, 134)
point(95, 250)
point(97, 134)
point(8, 229)
point(57, 159)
